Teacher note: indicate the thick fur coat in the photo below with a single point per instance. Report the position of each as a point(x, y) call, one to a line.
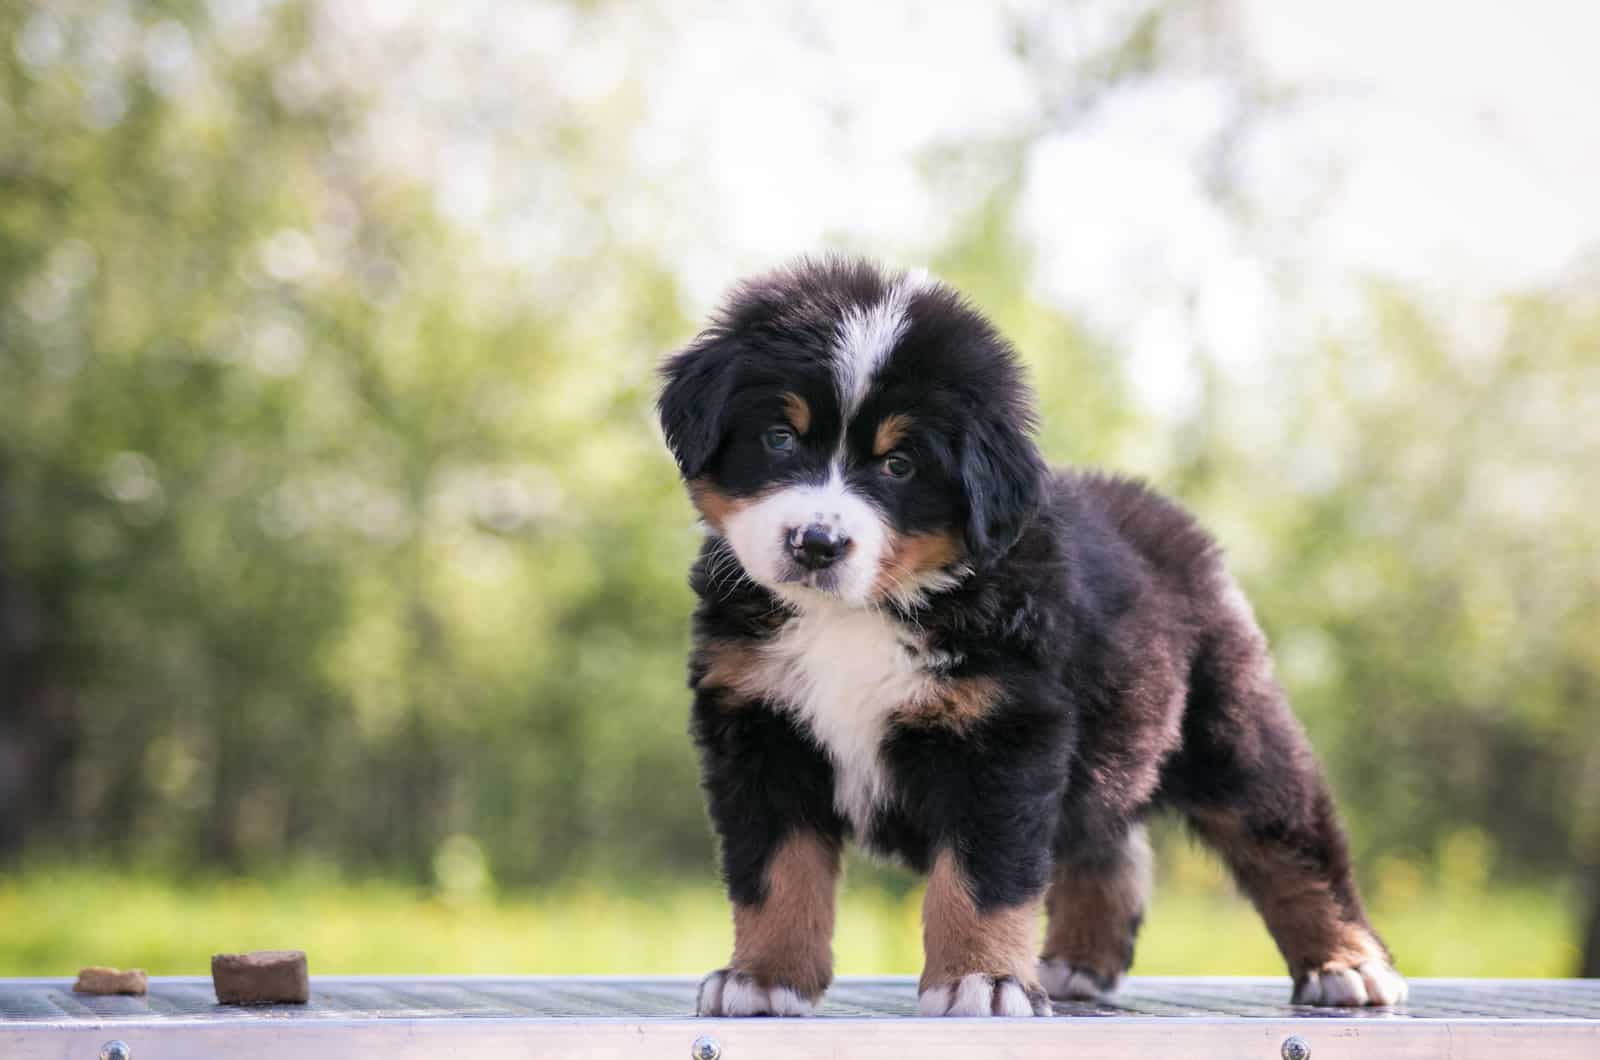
point(912, 633)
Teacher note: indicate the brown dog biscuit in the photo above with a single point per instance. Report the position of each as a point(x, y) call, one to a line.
point(268, 977)
point(97, 979)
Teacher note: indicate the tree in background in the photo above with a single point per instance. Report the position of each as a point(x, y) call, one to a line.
point(312, 536)
point(326, 537)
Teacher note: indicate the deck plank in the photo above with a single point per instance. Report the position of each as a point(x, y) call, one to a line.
point(492, 1016)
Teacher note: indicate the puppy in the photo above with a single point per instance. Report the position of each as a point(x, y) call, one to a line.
point(911, 632)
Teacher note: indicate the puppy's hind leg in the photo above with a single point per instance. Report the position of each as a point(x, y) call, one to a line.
point(1250, 786)
point(1297, 874)
point(1096, 903)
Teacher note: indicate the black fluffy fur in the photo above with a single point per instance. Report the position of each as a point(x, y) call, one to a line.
point(1132, 676)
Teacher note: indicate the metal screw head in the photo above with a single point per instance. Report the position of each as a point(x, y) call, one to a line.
point(1296, 1048)
point(116, 1049)
point(705, 1047)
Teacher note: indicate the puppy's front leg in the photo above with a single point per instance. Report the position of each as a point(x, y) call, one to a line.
point(980, 960)
point(783, 941)
point(770, 793)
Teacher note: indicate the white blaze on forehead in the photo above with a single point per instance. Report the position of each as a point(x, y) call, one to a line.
point(868, 334)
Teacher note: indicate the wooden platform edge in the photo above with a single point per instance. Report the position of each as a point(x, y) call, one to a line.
point(1082, 1038)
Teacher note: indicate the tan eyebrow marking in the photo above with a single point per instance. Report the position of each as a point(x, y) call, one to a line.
point(891, 432)
point(799, 413)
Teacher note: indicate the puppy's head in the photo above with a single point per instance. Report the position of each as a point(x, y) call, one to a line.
point(853, 433)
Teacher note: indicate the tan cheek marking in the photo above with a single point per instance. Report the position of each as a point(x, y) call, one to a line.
point(714, 506)
point(959, 939)
point(908, 555)
point(788, 937)
point(891, 432)
point(799, 413)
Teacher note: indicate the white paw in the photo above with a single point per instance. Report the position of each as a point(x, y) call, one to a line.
point(1370, 983)
point(1063, 981)
point(729, 993)
point(983, 995)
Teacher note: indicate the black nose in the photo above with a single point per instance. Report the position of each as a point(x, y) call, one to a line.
point(817, 546)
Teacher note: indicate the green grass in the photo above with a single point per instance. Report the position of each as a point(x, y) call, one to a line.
point(55, 919)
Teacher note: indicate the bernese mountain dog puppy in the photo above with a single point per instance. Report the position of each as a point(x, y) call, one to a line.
point(912, 632)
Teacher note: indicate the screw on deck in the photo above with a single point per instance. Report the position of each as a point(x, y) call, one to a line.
point(1296, 1048)
point(705, 1047)
point(116, 1049)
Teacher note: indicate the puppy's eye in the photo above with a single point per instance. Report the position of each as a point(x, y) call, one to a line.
point(779, 439)
point(897, 465)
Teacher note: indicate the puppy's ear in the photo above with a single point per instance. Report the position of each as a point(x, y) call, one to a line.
point(693, 404)
point(1002, 475)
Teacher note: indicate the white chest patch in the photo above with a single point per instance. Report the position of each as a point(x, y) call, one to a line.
point(843, 671)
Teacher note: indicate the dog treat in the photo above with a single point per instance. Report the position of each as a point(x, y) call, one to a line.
point(268, 977)
point(99, 980)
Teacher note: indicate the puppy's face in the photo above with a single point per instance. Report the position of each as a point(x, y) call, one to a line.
point(853, 434)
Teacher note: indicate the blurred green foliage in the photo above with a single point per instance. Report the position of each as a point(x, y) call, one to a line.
point(326, 539)
point(316, 540)
point(1195, 927)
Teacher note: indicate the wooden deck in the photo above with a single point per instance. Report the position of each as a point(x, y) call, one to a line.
point(467, 1018)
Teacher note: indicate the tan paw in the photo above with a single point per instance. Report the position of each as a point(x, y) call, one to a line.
point(726, 992)
point(1373, 982)
point(983, 995)
point(1065, 981)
